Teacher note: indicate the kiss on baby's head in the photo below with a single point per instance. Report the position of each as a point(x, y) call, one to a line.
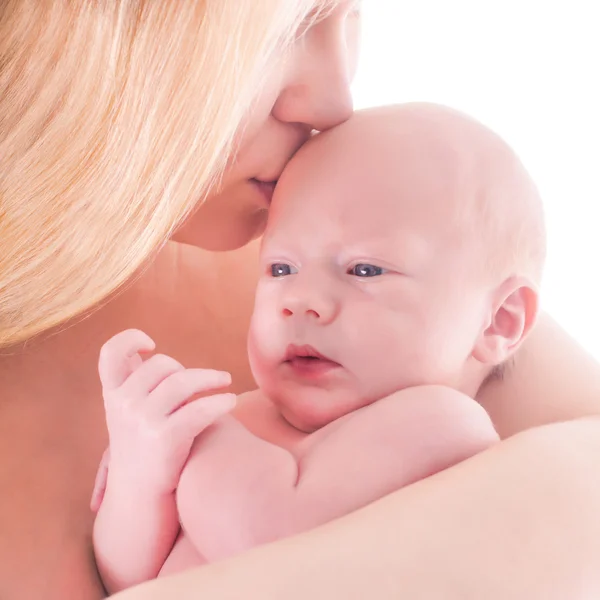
point(404, 247)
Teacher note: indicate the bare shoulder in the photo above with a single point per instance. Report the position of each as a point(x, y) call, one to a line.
point(428, 412)
point(444, 423)
point(429, 401)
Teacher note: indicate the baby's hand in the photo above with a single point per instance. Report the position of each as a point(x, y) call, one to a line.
point(151, 421)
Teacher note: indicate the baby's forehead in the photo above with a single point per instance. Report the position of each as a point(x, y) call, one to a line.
point(386, 155)
point(436, 152)
point(416, 164)
point(422, 130)
point(424, 142)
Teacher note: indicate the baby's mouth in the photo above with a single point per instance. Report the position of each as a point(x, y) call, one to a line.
point(294, 351)
point(307, 361)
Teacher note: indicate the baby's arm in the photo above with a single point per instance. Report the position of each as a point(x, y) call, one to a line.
point(261, 492)
point(151, 425)
point(134, 532)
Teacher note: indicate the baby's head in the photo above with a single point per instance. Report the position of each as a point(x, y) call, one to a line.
point(403, 248)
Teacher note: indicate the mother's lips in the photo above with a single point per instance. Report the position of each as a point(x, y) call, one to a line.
point(266, 188)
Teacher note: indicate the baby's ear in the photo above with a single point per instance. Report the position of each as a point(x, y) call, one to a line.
point(513, 313)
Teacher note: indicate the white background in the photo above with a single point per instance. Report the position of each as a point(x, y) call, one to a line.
point(530, 69)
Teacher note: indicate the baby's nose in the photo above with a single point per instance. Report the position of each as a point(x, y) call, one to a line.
point(310, 305)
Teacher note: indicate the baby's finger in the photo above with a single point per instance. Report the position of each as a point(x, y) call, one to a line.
point(176, 390)
point(195, 417)
point(150, 374)
point(100, 482)
point(118, 356)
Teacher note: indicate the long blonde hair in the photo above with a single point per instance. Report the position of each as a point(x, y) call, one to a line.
point(116, 118)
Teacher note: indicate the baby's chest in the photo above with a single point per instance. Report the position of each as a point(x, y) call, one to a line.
point(260, 416)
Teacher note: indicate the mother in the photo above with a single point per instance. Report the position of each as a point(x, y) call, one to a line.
point(128, 122)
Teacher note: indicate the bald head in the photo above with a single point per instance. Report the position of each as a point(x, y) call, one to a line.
point(443, 163)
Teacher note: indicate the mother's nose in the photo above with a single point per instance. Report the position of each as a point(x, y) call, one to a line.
point(317, 92)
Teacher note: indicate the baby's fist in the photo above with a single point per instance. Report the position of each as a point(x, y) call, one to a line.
point(151, 414)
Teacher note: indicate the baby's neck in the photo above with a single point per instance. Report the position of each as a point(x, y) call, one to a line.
point(474, 377)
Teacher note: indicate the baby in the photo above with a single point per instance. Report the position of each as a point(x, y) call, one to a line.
point(400, 268)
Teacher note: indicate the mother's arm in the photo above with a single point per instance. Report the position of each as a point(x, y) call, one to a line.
point(518, 521)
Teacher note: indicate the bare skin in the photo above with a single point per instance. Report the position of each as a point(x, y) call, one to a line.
point(51, 411)
point(519, 521)
point(52, 437)
point(53, 433)
point(52, 424)
point(378, 265)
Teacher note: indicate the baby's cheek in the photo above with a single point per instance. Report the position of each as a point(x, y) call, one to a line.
point(255, 345)
point(262, 350)
point(379, 382)
point(263, 335)
point(398, 364)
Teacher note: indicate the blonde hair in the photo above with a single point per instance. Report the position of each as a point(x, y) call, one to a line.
point(116, 118)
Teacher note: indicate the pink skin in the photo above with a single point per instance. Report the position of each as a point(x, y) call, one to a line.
point(362, 270)
point(371, 291)
point(149, 413)
point(309, 91)
point(149, 401)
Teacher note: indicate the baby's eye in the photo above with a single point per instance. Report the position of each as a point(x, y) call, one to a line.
point(365, 270)
point(282, 270)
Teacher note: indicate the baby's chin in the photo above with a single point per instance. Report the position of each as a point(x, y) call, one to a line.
point(312, 408)
point(301, 420)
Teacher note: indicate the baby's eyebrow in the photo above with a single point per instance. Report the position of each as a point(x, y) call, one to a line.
point(401, 245)
point(272, 243)
point(396, 249)
point(278, 250)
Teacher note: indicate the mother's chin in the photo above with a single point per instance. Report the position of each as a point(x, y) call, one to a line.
point(228, 220)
